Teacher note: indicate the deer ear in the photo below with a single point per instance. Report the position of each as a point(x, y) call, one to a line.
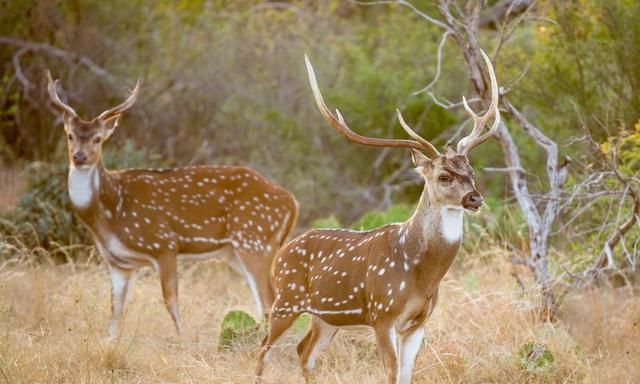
point(110, 125)
point(419, 158)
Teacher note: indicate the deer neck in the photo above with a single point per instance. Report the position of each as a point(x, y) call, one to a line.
point(431, 237)
point(88, 188)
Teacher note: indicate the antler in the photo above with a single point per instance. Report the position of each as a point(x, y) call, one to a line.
point(433, 152)
point(466, 144)
point(339, 124)
point(125, 105)
point(53, 94)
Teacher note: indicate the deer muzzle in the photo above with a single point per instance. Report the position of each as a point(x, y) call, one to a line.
point(80, 158)
point(472, 201)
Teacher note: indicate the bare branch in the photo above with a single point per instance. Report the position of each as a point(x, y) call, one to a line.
point(443, 40)
point(428, 18)
point(504, 9)
point(18, 68)
point(70, 57)
point(505, 169)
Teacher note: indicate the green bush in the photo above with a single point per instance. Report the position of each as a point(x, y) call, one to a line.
point(374, 219)
point(237, 327)
point(43, 217)
point(327, 222)
point(535, 357)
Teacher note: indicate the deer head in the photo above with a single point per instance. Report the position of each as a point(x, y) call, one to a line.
point(449, 179)
point(85, 137)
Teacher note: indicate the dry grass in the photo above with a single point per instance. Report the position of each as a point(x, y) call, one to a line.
point(53, 329)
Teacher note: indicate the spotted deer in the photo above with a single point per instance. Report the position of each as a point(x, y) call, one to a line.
point(153, 217)
point(386, 278)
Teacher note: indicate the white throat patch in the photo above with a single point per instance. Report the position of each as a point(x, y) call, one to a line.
point(83, 183)
point(451, 219)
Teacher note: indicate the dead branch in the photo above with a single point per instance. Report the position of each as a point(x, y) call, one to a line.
point(404, 3)
point(503, 9)
point(67, 56)
point(606, 256)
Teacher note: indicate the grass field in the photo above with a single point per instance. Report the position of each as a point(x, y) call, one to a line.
point(53, 322)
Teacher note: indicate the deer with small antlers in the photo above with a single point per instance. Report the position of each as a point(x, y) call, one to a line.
point(386, 278)
point(146, 217)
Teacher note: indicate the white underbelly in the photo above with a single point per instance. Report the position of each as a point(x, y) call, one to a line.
point(125, 257)
point(221, 254)
point(124, 254)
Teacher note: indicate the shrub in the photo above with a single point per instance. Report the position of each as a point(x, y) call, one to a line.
point(373, 219)
point(237, 327)
point(535, 356)
point(327, 222)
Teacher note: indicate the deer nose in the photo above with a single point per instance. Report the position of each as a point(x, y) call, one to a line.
point(472, 200)
point(79, 158)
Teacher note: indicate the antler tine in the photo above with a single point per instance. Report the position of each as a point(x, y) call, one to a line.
point(428, 147)
point(53, 94)
point(128, 103)
point(466, 144)
point(339, 124)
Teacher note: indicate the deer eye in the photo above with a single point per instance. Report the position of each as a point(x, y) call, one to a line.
point(70, 137)
point(445, 178)
point(96, 140)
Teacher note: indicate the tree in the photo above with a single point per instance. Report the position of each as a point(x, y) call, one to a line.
point(540, 212)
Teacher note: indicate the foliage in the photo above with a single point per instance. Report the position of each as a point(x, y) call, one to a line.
point(568, 75)
point(327, 222)
point(236, 327)
point(44, 217)
point(534, 356)
point(579, 74)
point(374, 219)
point(624, 150)
point(370, 220)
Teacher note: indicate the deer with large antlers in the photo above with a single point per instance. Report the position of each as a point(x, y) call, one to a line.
point(386, 278)
point(145, 217)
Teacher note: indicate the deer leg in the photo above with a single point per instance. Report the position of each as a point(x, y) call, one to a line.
point(410, 344)
point(169, 280)
point(256, 270)
point(317, 338)
point(120, 287)
point(387, 339)
point(278, 325)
